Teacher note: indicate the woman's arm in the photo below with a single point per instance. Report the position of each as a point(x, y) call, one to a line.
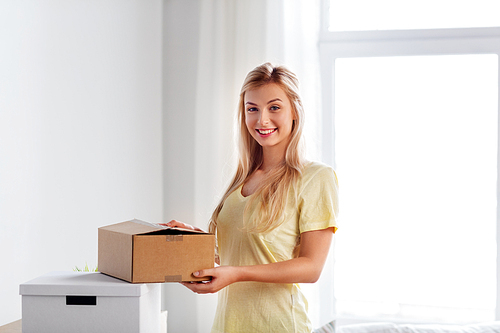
point(314, 247)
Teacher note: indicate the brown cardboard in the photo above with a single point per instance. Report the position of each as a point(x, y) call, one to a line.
point(142, 252)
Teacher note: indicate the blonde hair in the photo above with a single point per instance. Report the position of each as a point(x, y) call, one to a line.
point(274, 193)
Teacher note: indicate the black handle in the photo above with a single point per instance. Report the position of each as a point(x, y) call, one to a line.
point(81, 300)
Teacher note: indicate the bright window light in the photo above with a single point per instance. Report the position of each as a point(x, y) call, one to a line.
point(356, 15)
point(416, 156)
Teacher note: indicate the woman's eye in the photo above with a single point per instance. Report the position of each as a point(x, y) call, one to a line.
point(252, 109)
point(274, 108)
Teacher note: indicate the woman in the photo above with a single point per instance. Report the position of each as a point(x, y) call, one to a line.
point(275, 223)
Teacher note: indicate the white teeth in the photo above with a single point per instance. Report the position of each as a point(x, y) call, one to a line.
point(265, 131)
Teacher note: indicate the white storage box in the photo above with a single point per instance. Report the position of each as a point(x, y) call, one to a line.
point(64, 302)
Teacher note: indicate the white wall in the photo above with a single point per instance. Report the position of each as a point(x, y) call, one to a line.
point(80, 131)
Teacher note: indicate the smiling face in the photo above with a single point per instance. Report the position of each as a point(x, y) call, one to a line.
point(269, 116)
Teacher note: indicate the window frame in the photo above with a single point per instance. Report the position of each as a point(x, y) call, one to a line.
point(386, 43)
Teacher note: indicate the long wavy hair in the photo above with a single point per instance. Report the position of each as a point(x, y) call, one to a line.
point(274, 192)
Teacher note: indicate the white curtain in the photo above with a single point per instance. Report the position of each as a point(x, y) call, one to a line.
point(234, 37)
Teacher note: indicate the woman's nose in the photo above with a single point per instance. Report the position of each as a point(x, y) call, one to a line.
point(264, 118)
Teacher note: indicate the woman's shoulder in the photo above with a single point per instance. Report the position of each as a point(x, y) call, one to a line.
point(312, 168)
point(317, 172)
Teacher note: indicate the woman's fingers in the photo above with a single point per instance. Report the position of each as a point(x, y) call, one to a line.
point(205, 272)
point(175, 223)
point(179, 224)
point(221, 277)
point(202, 287)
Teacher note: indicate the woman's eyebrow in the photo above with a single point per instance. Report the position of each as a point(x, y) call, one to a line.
point(271, 101)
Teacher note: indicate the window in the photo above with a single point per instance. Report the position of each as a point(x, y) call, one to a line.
point(356, 15)
point(415, 148)
point(411, 126)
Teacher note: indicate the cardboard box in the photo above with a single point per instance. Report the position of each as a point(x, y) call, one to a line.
point(62, 302)
point(142, 252)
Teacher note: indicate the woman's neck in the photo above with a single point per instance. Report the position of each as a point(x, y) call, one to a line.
point(271, 159)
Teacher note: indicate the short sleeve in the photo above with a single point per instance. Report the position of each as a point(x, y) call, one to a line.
point(318, 200)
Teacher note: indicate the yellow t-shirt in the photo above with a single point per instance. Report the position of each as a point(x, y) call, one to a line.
point(271, 307)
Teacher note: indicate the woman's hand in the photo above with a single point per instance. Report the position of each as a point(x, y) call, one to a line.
point(179, 224)
point(222, 276)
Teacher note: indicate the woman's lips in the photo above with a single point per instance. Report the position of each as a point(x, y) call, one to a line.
point(266, 132)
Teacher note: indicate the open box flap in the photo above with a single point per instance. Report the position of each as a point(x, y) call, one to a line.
point(139, 227)
point(158, 226)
